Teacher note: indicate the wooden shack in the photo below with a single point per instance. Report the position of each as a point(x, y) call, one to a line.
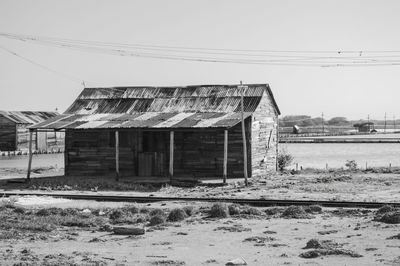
point(365, 127)
point(192, 131)
point(14, 131)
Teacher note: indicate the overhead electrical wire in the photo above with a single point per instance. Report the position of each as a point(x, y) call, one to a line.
point(220, 55)
point(64, 75)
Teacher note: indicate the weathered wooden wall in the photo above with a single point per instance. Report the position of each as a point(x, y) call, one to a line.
point(7, 134)
point(144, 153)
point(201, 153)
point(91, 152)
point(264, 138)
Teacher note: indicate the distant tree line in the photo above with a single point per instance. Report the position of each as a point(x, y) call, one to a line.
point(308, 121)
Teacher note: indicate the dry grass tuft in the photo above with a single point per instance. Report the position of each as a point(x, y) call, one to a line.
point(234, 209)
point(176, 215)
point(155, 212)
point(156, 220)
point(295, 212)
point(219, 210)
point(389, 217)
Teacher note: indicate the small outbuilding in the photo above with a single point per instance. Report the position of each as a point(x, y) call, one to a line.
point(173, 132)
point(14, 131)
point(365, 127)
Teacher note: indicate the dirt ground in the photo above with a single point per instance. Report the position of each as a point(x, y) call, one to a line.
point(365, 186)
point(263, 236)
point(258, 236)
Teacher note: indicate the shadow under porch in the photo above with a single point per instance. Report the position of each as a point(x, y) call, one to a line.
point(146, 154)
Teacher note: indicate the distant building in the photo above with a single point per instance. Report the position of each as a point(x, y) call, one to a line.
point(366, 127)
point(296, 129)
point(14, 135)
point(192, 131)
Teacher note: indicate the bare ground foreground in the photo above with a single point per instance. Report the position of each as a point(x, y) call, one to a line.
point(374, 185)
point(178, 233)
point(34, 232)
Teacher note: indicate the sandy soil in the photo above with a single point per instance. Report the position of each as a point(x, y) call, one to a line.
point(336, 186)
point(199, 240)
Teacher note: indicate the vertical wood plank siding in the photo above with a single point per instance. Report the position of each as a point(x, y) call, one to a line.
point(91, 153)
point(7, 135)
point(264, 138)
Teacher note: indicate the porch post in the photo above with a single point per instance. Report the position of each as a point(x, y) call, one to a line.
point(171, 154)
point(225, 154)
point(28, 175)
point(117, 154)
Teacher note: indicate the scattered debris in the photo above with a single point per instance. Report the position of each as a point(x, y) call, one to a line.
point(234, 262)
point(168, 262)
point(394, 237)
point(128, 231)
point(259, 239)
point(328, 232)
point(325, 247)
point(234, 228)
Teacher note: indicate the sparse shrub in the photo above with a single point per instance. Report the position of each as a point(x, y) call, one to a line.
point(83, 222)
point(157, 212)
point(390, 218)
point(116, 214)
point(133, 209)
point(189, 210)
point(295, 212)
point(68, 211)
point(156, 220)
point(273, 211)
point(234, 209)
point(176, 215)
point(313, 209)
point(48, 211)
point(316, 244)
point(141, 219)
point(219, 210)
point(284, 160)
point(351, 165)
point(19, 210)
point(144, 210)
point(252, 211)
point(385, 209)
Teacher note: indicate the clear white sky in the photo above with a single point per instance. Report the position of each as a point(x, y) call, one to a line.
point(353, 92)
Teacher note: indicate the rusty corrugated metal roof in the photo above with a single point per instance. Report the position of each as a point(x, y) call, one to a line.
point(160, 107)
point(158, 120)
point(27, 117)
point(203, 98)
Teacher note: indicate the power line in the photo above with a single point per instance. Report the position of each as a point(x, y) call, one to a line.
point(64, 75)
point(218, 55)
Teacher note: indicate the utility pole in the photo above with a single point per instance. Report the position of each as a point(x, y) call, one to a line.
point(323, 124)
point(394, 123)
point(384, 130)
point(242, 88)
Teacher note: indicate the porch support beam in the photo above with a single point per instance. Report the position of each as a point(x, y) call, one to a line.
point(117, 154)
point(225, 155)
point(171, 154)
point(28, 175)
